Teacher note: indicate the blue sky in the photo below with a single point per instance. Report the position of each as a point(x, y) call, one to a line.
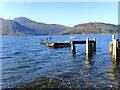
point(65, 13)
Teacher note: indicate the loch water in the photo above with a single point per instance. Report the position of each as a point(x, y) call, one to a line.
point(27, 63)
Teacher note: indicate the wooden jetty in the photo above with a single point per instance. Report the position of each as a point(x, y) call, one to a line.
point(115, 49)
point(90, 46)
point(57, 44)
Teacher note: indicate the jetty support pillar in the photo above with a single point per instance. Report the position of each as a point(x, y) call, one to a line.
point(111, 47)
point(113, 37)
point(88, 48)
point(73, 48)
point(114, 49)
point(94, 45)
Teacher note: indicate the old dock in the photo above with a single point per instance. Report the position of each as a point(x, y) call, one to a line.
point(58, 44)
point(115, 49)
point(90, 45)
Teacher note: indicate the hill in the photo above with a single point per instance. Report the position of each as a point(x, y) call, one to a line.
point(92, 28)
point(10, 27)
point(41, 28)
point(24, 26)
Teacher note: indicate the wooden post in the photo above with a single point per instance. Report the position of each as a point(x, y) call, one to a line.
point(88, 52)
point(91, 48)
point(113, 43)
point(72, 47)
point(118, 54)
point(111, 47)
point(94, 49)
point(113, 37)
point(113, 53)
point(115, 49)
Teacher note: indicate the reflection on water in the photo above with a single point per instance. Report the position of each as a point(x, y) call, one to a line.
point(115, 73)
point(26, 63)
point(89, 63)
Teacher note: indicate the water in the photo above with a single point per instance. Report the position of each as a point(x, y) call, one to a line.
point(26, 63)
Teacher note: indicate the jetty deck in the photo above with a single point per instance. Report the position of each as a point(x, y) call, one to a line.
point(57, 44)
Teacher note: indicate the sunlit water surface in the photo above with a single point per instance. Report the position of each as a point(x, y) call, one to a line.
point(27, 63)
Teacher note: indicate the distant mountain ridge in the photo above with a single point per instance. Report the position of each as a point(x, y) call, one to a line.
point(11, 27)
point(41, 28)
point(92, 28)
point(24, 26)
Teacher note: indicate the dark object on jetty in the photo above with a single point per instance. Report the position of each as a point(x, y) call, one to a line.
point(115, 49)
point(57, 44)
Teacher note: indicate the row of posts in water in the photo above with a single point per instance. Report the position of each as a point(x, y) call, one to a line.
point(114, 49)
point(90, 46)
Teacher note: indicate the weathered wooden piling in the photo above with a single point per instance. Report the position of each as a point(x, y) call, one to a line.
point(94, 48)
point(88, 48)
point(114, 49)
point(113, 37)
point(73, 48)
point(111, 47)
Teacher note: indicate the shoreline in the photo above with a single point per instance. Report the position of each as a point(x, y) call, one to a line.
point(58, 34)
